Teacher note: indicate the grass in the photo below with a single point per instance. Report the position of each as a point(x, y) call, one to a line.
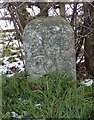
point(52, 96)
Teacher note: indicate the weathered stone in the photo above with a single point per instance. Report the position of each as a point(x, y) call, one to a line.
point(49, 45)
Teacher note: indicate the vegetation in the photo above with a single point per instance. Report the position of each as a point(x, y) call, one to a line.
point(52, 96)
point(79, 14)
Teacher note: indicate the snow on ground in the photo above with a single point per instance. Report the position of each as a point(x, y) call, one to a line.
point(11, 62)
point(87, 82)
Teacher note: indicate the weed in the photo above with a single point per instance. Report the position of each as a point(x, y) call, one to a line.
point(52, 96)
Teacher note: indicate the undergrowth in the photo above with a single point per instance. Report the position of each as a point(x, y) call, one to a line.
point(52, 96)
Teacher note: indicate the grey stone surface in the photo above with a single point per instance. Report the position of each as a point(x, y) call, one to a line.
point(49, 45)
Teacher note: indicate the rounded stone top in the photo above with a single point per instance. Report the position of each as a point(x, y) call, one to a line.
point(49, 45)
point(48, 22)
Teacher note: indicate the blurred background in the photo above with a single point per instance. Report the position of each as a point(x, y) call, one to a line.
point(15, 15)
